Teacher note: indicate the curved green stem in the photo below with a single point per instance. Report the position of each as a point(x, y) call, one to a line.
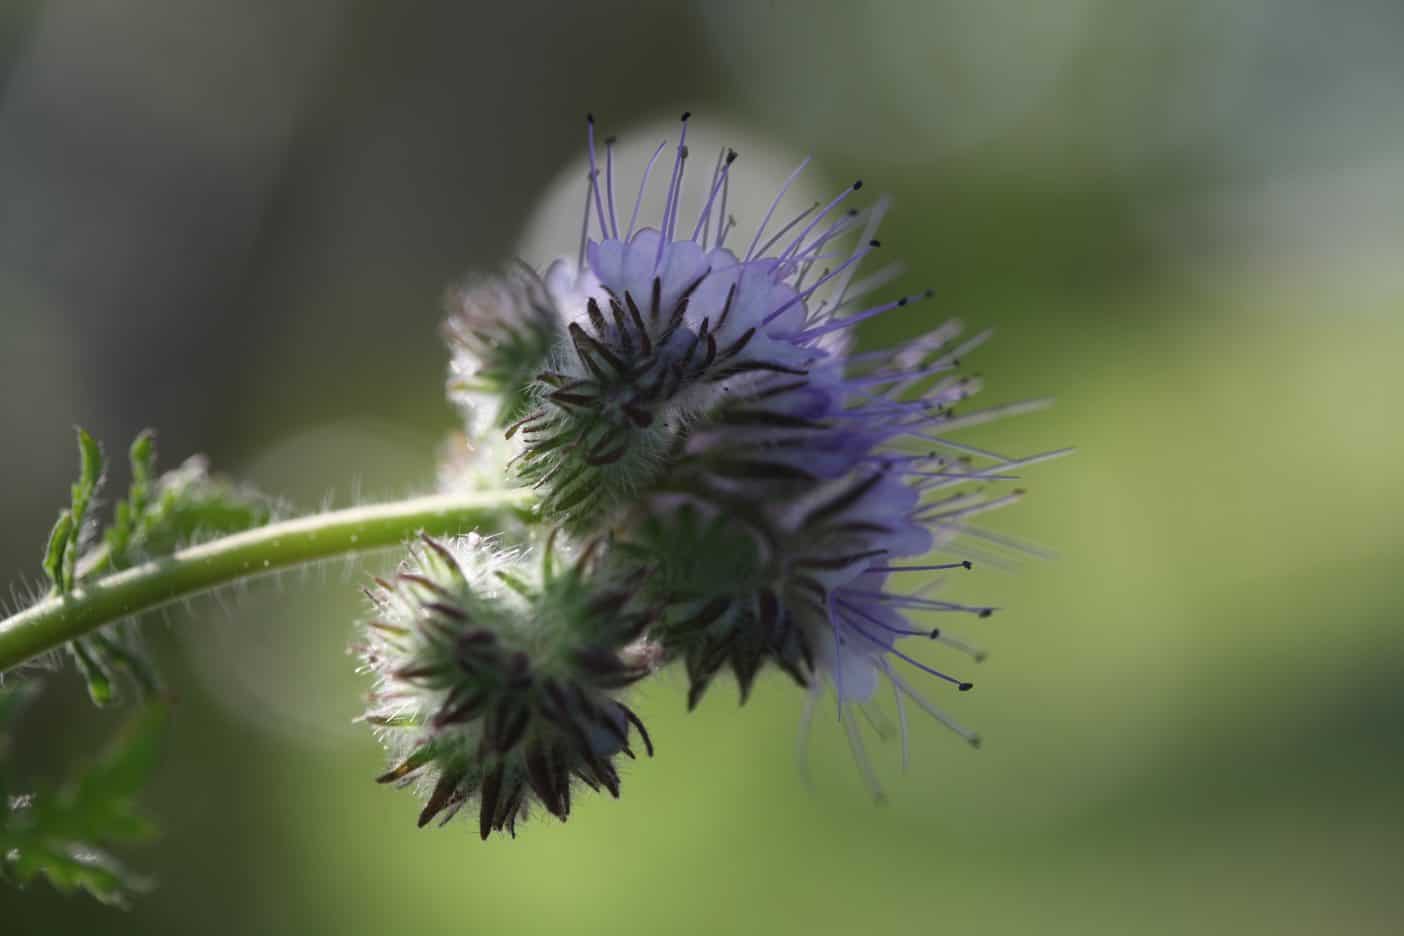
point(58, 619)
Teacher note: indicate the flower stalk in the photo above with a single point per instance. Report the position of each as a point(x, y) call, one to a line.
point(191, 571)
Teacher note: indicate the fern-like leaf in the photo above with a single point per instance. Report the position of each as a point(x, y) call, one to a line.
point(63, 835)
point(159, 515)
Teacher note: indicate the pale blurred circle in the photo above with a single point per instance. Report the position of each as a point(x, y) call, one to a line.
point(553, 228)
point(274, 653)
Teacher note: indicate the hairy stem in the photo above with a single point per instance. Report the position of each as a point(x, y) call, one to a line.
point(58, 619)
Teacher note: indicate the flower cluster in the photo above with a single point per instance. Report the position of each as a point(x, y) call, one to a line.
point(752, 490)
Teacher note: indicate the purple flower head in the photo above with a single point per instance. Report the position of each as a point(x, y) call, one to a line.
point(707, 406)
point(666, 321)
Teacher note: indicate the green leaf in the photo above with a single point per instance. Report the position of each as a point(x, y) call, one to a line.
point(131, 513)
point(190, 504)
point(142, 455)
point(90, 477)
point(160, 514)
point(63, 836)
point(58, 546)
point(91, 464)
point(73, 868)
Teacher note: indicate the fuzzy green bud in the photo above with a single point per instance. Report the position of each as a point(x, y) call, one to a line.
point(498, 675)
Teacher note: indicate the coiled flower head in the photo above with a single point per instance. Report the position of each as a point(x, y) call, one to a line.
point(706, 413)
point(498, 674)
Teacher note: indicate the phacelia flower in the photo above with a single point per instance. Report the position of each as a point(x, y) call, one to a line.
point(498, 676)
point(705, 410)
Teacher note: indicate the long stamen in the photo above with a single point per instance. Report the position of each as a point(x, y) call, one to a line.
point(800, 263)
point(922, 568)
point(585, 225)
point(959, 684)
point(670, 206)
point(849, 321)
point(609, 185)
point(774, 204)
point(838, 650)
point(725, 222)
point(858, 255)
point(704, 220)
point(876, 212)
point(906, 688)
point(860, 754)
point(643, 185)
point(919, 604)
point(901, 707)
point(595, 174)
point(795, 244)
point(764, 248)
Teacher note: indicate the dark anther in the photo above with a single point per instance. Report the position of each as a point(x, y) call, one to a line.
point(935, 632)
point(874, 243)
point(967, 564)
point(901, 302)
point(730, 156)
point(986, 612)
point(857, 185)
point(965, 686)
point(686, 114)
point(611, 140)
point(589, 118)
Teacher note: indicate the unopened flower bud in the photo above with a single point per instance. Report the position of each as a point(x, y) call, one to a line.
point(500, 330)
point(499, 674)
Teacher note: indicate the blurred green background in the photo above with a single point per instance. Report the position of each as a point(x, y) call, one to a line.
point(233, 221)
